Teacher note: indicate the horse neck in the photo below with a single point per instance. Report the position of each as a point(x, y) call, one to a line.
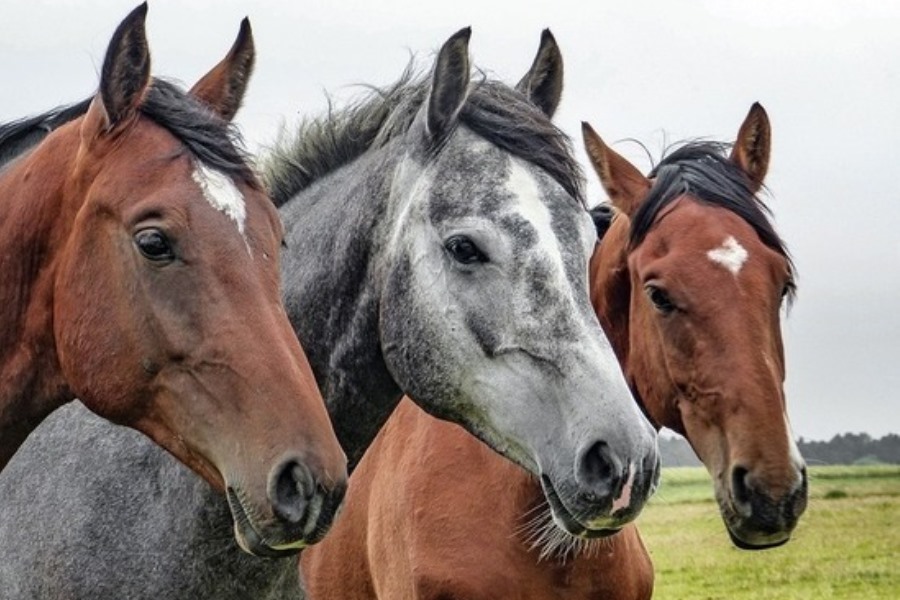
point(333, 233)
point(36, 222)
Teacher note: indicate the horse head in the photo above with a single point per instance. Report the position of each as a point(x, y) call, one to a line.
point(689, 282)
point(485, 315)
point(166, 297)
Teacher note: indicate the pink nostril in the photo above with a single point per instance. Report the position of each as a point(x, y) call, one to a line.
point(624, 499)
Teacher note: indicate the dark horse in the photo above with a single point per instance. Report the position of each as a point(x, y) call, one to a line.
point(139, 260)
point(688, 283)
point(437, 245)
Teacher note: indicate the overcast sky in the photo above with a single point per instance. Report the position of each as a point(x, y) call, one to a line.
point(827, 71)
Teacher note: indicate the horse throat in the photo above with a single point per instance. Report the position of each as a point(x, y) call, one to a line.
point(335, 238)
point(32, 233)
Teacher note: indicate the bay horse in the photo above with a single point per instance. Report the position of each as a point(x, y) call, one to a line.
point(688, 283)
point(437, 245)
point(139, 259)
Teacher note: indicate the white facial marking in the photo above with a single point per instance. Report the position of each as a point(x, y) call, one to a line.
point(793, 450)
point(523, 185)
point(624, 499)
point(220, 191)
point(730, 255)
point(593, 343)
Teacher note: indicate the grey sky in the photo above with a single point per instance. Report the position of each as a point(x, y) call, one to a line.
point(827, 71)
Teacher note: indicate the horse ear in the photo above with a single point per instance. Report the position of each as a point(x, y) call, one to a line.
point(223, 88)
point(543, 83)
point(450, 84)
point(624, 184)
point(753, 146)
point(126, 69)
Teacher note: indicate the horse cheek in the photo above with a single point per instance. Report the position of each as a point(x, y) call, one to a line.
point(93, 334)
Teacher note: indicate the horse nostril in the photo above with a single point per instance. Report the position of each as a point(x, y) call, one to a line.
point(599, 470)
point(740, 486)
point(290, 487)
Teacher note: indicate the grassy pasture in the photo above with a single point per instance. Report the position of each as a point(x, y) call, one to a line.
point(847, 544)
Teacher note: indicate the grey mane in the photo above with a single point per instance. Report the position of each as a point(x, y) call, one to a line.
point(493, 110)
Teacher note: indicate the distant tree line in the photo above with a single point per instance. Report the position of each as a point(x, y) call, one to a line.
point(842, 449)
point(852, 448)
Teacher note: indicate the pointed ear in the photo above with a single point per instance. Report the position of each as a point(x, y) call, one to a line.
point(126, 69)
point(753, 145)
point(223, 88)
point(543, 83)
point(624, 184)
point(449, 85)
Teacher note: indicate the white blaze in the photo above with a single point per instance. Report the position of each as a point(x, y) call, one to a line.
point(730, 255)
point(793, 450)
point(220, 191)
point(523, 185)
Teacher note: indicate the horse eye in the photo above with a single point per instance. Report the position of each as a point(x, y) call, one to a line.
point(154, 245)
point(787, 289)
point(660, 299)
point(464, 251)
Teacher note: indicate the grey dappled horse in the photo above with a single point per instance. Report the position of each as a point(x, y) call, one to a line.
point(436, 245)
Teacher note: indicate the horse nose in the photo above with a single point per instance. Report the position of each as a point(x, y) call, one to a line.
point(600, 472)
point(766, 513)
point(291, 489)
point(796, 504)
point(324, 512)
point(740, 490)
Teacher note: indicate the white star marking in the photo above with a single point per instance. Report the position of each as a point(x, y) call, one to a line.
point(730, 255)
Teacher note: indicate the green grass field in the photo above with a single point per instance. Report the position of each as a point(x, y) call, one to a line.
point(847, 544)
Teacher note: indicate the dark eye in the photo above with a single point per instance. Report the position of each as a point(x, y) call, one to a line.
point(660, 299)
point(154, 245)
point(788, 289)
point(464, 250)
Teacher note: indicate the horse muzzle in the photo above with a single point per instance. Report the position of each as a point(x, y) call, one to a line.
point(601, 504)
point(754, 519)
point(301, 511)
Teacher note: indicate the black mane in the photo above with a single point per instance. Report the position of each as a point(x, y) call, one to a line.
point(703, 170)
point(493, 110)
point(214, 141)
point(18, 136)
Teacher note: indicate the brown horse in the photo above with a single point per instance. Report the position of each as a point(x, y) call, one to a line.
point(139, 258)
point(688, 282)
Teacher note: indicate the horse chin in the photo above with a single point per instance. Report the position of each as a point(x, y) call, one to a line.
point(748, 538)
point(764, 545)
point(248, 538)
point(566, 521)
